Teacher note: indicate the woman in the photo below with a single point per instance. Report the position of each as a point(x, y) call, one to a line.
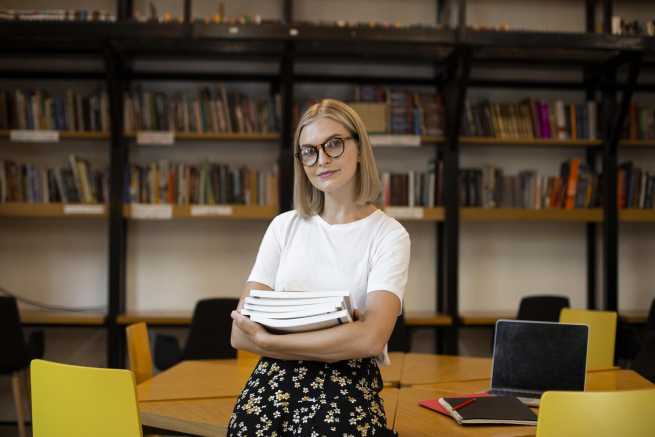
point(325, 382)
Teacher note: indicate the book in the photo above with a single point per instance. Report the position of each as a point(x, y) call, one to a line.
point(434, 405)
point(298, 311)
point(297, 294)
point(488, 410)
point(303, 324)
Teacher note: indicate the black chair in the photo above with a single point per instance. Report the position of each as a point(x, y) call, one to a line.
point(542, 308)
point(539, 308)
point(399, 340)
point(17, 354)
point(644, 361)
point(209, 335)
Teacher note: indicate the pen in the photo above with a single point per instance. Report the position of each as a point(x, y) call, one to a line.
point(463, 404)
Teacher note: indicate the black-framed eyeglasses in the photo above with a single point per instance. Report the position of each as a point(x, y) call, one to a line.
point(333, 147)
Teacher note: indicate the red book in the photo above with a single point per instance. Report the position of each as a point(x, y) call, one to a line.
point(434, 405)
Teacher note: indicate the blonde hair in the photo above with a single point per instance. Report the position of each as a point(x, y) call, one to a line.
point(307, 199)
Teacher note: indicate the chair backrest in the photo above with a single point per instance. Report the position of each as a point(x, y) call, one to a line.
point(76, 401)
point(399, 340)
point(138, 351)
point(602, 335)
point(211, 327)
point(644, 362)
point(597, 414)
point(542, 308)
point(650, 323)
point(14, 354)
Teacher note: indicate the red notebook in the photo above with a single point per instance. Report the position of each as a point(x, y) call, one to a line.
point(434, 405)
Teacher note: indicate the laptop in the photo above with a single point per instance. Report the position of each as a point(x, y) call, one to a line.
point(530, 358)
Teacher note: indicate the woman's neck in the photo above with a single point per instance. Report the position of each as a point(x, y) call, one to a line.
point(340, 213)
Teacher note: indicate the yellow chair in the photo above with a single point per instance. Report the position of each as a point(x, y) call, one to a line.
point(138, 351)
point(597, 414)
point(76, 401)
point(602, 335)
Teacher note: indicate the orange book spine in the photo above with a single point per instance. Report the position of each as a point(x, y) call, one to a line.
point(573, 182)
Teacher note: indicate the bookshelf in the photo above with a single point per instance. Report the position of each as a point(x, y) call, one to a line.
point(452, 52)
point(53, 210)
point(196, 212)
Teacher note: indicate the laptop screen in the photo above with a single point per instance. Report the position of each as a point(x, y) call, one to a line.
point(539, 356)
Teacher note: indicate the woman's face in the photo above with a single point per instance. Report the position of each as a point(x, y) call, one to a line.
point(329, 174)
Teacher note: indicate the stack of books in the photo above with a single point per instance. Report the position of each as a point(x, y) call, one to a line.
point(298, 311)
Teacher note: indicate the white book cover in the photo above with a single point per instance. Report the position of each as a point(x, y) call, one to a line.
point(260, 301)
point(303, 324)
point(306, 311)
point(297, 294)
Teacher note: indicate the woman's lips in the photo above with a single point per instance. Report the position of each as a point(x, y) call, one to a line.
point(327, 174)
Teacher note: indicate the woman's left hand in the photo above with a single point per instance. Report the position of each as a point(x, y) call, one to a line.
point(252, 330)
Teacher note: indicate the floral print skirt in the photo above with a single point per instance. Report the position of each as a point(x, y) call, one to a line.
point(312, 399)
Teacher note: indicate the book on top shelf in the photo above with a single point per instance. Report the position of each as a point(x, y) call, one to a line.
point(319, 309)
point(209, 110)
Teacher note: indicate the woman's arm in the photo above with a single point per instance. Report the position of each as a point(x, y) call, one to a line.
point(240, 340)
point(363, 338)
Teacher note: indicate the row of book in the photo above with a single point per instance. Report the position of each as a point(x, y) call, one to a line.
point(39, 109)
point(621, 26)
point(409, 112)
point(635, 187)
point(489, 187)
point(640, 123)
point(56, 15)
point(76, 182)
point(531, 119)
point(203, 184)
point(210, 110)
point(576, 187)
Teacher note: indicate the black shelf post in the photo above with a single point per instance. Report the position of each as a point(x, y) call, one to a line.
point(455, 96)
point(614, 117)
point(117, 222)
point(285, 163)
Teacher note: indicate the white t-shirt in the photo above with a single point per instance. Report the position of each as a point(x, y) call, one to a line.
point(366, 255)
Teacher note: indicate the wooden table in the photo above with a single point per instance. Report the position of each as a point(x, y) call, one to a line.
point(198, 379)
point(414, 420)
point(391, 374)
point(209, 417)
point(606, 380)
point(431, 369)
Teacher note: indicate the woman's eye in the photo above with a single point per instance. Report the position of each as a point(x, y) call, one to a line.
point(307, 151)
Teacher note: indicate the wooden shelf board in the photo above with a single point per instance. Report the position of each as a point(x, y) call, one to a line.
point(406, 213)
point(633, 316)
point(637, 143)
point(482, 141)
point(239, 212)
point(47, 210)
point(427, 318)
point(182, 318)
point(637, 215)
point(208, 136)
point(70, 135)
point(521, 214)
point(42, 317)
point(483, 318)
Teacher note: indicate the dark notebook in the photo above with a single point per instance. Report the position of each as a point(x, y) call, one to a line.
point(489, 410)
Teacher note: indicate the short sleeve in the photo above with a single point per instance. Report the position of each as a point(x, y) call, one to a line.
point(268, 258)
point(390, 263)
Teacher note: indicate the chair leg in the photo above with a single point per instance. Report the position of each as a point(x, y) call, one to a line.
point(19, 402)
